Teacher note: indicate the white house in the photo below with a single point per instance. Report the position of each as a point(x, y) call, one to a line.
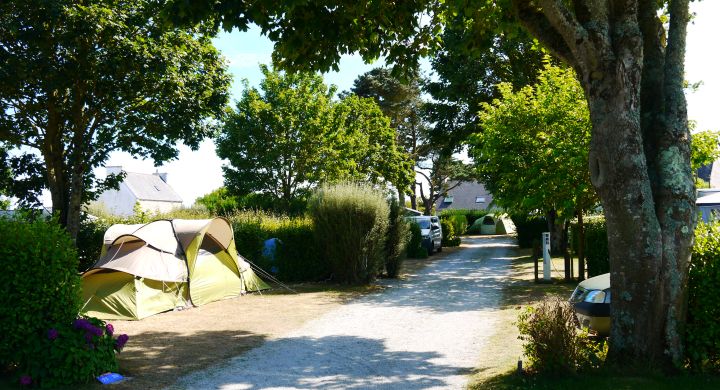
point(151, 191)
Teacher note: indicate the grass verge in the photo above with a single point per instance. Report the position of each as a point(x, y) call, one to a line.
point(521, 290)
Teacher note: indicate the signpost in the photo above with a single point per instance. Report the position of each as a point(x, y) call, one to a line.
point(546, 256)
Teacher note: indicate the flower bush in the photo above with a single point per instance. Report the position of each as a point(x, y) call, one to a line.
point(71, 353)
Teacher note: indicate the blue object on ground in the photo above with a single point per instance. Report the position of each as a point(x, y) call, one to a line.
point(110, 377)
point(269, 248)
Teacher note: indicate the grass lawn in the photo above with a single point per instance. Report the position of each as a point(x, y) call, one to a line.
point(520, 291)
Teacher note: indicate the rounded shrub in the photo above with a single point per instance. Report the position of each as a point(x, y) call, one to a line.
point(351, 221)
point(43, 342)
point(40, 286)
point(449, 237)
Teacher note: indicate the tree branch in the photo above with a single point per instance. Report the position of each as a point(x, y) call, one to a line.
point(539, 26)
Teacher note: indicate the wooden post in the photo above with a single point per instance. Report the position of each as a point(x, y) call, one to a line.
point(536, 256)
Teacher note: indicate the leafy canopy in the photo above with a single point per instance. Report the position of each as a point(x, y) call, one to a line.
point(82, 79)
point(533, 151)
point(288, 136)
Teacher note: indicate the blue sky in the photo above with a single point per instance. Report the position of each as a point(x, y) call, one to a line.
point(196, 173)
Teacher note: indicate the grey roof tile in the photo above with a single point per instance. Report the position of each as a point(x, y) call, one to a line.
point(150, 187)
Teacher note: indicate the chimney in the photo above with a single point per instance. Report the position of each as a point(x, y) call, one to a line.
point(162, 176)
point(114, 170)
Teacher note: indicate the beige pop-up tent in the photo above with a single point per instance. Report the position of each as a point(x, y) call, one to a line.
point(146, 269)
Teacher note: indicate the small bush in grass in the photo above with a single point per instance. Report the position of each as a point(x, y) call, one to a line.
point(415, 249)
point(397, 239)
point(351, 221)
point(553, 343)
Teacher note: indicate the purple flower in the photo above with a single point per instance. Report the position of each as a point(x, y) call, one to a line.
point(121, 341)
point(89, 337)
point(52, 334)
point(82, 323)
point(95, 330)
point(26, 380)
point(109, 329)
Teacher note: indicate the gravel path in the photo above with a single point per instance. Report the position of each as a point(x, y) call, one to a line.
point(425, 332)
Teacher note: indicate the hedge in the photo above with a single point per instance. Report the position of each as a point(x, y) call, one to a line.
point(529, 229)
point(703, 328)
point(597, 258)
point(457, 216)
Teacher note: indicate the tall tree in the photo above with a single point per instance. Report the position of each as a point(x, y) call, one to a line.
point(629, 57)
point(469, 66)
point(402, 103)
point(533, 151)
point(83, 78)
point(442, 173)
point(290, 135)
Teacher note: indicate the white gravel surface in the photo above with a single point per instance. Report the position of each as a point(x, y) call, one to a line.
point(425, 332)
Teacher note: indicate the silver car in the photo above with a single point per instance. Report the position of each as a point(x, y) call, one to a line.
point(431, 232)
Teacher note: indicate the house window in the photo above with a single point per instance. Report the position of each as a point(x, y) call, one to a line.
point(448, 199)
point(479, 199)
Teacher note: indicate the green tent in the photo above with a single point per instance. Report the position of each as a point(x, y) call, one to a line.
point(146, 269)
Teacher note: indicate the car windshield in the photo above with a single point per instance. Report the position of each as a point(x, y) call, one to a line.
point(424, 223)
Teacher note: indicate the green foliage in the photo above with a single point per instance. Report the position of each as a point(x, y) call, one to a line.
point(704, 149)
point(287, 137)
point(597, 256)
point(470, 217)
point(89, 241)
point(449, 237)
point(703, 329)
point(351, 221)
point(553, 343)
point(297, 256)
point(72, 353)
point(39, 301)
point(415, 249)
point(219, 202)
point(402, 103)
point(458, 221)
point(529, 229)
point(103, 76)
point(533, 151)
point(40, 286)
point(397, 239)
point(596, 244)
point(469, 67)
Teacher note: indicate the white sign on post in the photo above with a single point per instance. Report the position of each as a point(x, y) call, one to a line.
point(546, 256)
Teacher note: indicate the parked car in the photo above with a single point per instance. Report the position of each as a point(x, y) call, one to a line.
point(430, 230)
point(591, 301)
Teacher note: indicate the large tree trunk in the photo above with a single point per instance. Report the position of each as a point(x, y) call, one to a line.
point(639, 159)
